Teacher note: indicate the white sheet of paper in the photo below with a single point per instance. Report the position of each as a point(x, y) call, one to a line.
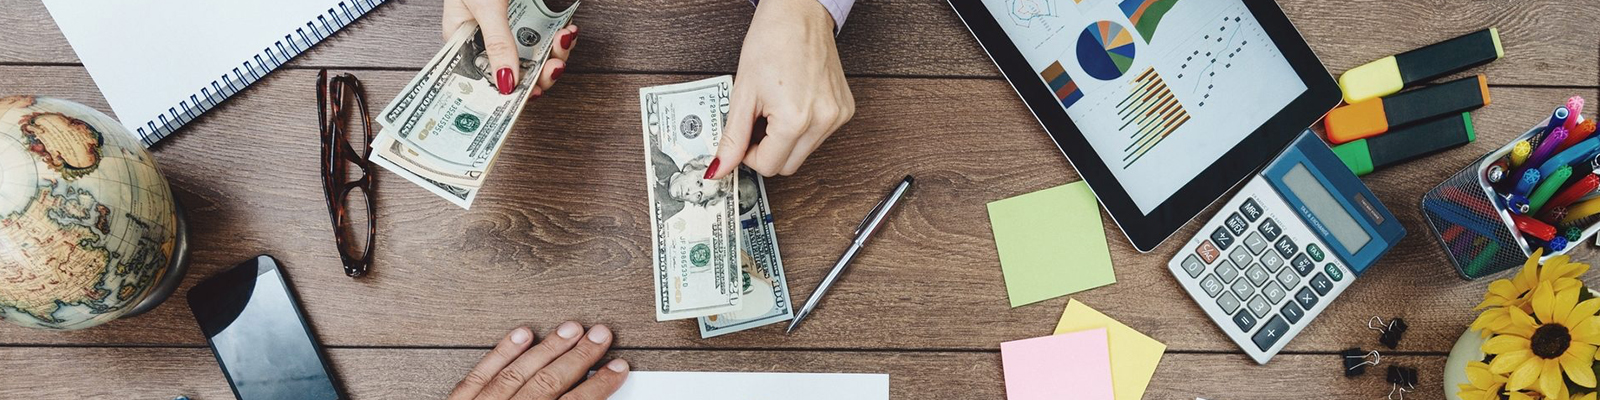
point(654, 385)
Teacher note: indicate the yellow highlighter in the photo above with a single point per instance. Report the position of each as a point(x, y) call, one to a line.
point(1390, 74)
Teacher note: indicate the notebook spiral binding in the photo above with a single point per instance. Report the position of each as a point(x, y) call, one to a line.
point(253, 69)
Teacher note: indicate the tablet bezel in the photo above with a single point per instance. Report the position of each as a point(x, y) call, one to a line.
point(1148, 231)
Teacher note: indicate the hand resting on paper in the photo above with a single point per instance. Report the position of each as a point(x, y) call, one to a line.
point(499, 44)
point(520, 367)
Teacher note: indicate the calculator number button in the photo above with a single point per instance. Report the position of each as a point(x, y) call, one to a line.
point(1305, 298)
point(1272, 261)
point(1286, 247)
point(1258, 306)
point(1321, 284)
point(1270, 333)
point(1207, 251)
point(1333, 271)
point(1211, 285)
point(1193, 266)
point(1257, 274)
point(1250, 209)
point(1255, 242)
point(1270, 229)
point(1288, 278)
point(1274, 292)
point(1227, 271)
point(1240, 256)
point(1237, 225)
point(1292, 312)
point(1222, 238)
point(1244, 321)
point(1228, 303)
point(1243, 288)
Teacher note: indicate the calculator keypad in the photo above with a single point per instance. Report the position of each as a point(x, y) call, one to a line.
point(1260, 269)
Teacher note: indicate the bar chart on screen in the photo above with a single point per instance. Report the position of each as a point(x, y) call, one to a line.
point(1149, 113)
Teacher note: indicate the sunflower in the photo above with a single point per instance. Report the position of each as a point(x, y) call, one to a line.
point(1504, 294)
point(1481, 384)
point(1561, 339)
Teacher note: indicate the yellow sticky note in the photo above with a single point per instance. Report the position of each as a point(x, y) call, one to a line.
point(1134, 356)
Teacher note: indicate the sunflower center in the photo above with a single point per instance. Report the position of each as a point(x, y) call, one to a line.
point(1550, 340)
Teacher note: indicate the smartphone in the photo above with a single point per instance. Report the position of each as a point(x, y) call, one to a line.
point(259, 335)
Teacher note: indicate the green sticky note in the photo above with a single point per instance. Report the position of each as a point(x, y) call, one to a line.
point(1051, 243)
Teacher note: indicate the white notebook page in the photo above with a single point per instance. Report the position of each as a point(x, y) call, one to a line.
point(147, 56)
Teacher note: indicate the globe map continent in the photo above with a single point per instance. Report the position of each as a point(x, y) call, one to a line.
point(86, 220)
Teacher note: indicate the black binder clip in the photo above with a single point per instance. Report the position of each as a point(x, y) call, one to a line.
point(1401, 380)
point(1356, 361)
point(1391, 333)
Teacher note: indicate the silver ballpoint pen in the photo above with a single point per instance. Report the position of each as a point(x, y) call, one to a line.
point(864, 230)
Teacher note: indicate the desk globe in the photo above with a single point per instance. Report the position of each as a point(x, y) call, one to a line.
point(89, 231)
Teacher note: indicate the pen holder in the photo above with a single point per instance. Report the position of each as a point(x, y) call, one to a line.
point(1474, 228)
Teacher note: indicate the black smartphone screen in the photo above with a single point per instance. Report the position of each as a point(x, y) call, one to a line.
point(256, 330)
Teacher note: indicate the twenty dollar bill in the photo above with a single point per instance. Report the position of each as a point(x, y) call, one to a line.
point(766, 289)
point(694, 222)
point(447, 125)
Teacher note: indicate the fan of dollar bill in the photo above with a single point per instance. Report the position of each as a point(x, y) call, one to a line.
point(714, 251)
point(447, 125)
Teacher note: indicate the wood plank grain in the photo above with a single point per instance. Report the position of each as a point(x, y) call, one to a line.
point(161, 373)
point(1546, 41)
point(559, 231)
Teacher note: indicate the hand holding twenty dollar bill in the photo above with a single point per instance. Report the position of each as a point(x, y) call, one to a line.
point(447, 125)
point(715, 255)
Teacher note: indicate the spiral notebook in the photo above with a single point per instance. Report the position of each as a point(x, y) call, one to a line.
point(161, 63)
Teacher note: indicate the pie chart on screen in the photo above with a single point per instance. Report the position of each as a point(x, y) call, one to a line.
point(1105, 50)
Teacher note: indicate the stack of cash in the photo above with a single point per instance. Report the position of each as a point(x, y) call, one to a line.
point(447, 125)
point(714, 252)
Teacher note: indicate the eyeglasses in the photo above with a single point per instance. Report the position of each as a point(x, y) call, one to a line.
point(339, 152)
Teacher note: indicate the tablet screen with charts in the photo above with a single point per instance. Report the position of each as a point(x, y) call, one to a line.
point(1161, 105)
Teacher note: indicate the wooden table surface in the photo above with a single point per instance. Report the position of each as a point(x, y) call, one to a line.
point(559, 232)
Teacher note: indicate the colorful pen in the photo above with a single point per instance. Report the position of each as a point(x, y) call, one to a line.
point(1575, 106)
point(1558, 119)
point(1533, 227)
point(1520, 152)
point(1584, 186)
point(1579, 153)
point(1547, 188)
point(1529, 179)
point(1581, 210)
point(1374, 117)
point(1497, 171)
point(1579, 132)
point(1515, 203)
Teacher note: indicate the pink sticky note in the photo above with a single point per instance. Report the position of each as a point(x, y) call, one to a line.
point(1067, 366)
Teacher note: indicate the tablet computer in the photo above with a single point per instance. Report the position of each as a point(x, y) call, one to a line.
point(1161, 105)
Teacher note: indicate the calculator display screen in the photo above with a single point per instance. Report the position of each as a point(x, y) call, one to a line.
point(1326, 208)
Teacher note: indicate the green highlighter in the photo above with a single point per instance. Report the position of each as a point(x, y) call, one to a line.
point(1366, 155)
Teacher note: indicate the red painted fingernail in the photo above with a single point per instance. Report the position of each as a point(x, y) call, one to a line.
point(556, 74)
point(566, 40)
point(504, 78)
point(712, 169)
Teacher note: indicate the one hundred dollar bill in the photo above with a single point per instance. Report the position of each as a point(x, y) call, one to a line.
point(766, 290)
point(694, 222)
point(446, 127)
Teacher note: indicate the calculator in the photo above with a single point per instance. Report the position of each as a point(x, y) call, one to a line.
point(1279, 251)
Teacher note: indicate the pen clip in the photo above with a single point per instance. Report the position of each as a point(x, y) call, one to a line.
point(868, 218)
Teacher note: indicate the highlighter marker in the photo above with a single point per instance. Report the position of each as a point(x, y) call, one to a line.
point(1581, 210)
point(1575, 106)
point(1390, 74)
point(1373, 117)
point(1525, 185)
point(1547, 189)
point(1404, 144)
point(1533, 227)
point(1520, 152)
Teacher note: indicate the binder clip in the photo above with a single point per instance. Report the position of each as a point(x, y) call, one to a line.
point(1391, 333)
point(1356, 362)
point(1401, 380)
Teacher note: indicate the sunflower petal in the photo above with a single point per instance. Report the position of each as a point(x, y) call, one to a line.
point(1544, 299)
point(1505, 344)
point(1565, 301)
point(1521, 323)
point(1550, 382)
point(1579, 367)
point(1587, 308)
point(1525, 374)
point(1508, 362)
